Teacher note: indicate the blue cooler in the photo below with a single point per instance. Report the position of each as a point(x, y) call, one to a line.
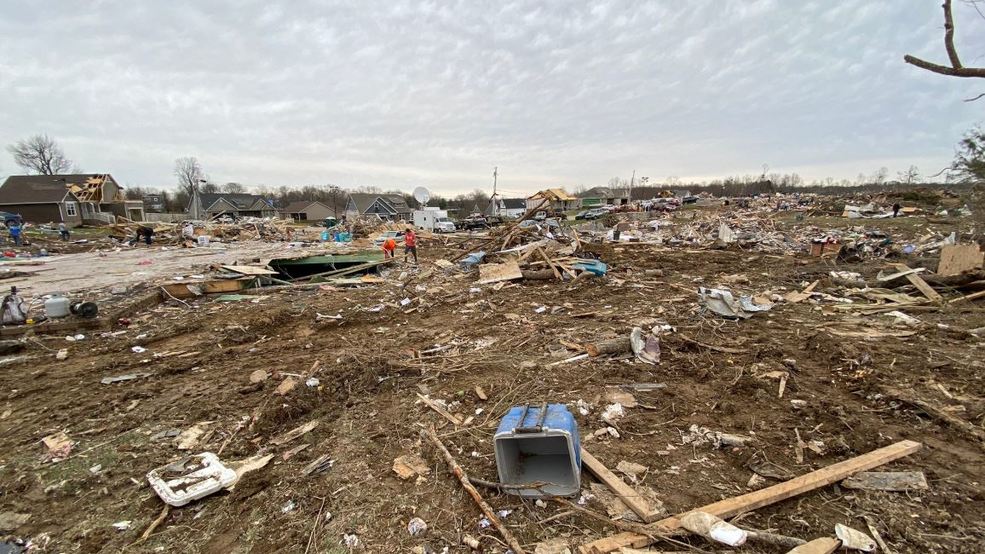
point(539, 444)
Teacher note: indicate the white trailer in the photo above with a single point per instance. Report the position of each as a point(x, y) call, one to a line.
point(433, 219)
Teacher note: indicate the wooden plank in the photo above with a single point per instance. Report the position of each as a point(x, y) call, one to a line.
point(918, 282)
point(443, 412)
point(763, 497)
point(547, 259)
point(974, 296)
point(794, 297)
point(823, 545)
point(958, 258)
point(887, 481)
point(250, 270)
point(627, 494)
point(494, 273)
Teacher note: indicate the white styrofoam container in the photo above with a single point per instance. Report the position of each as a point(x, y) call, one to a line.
point(197, 476)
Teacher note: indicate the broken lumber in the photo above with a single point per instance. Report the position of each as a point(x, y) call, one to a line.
point(763, 497)
point(823, 545)
point(441, 411)
point(918, 282)
point(938, 413)
point(973, 296)
point(463, 478)
point(887, 481)
point(958, 258)
point(617, 345)
point(627, 494)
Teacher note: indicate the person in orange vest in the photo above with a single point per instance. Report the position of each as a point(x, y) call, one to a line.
point(410, 244)
point(389, 245)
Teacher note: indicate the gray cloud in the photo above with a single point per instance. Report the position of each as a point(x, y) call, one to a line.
point(404, 93)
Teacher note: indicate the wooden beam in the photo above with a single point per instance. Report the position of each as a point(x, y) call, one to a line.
point(762, 497)
point(441, 411)
point(973, 296)
point(627, 494)
point(918, 282)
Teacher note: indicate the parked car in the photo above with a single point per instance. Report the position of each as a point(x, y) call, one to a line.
point(551, 224)
point(596, 213)
point(444, 225)
point(472, 223)
point(11, 218)
point(581, 214)
point(397, 236)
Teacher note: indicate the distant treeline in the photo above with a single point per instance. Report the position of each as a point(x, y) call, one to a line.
point(739, 189)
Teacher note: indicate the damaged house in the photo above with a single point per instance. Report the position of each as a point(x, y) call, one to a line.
point(390, 207)
point(90, 198)
point(203, 205)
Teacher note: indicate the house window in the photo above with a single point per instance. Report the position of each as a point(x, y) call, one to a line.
point(70, 209)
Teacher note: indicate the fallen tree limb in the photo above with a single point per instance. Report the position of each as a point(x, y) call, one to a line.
point(938, 413)
point(619, 345)
point(463, 478)
point(722, 349)
point(762, 497)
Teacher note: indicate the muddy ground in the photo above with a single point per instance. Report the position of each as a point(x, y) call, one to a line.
point(369, 369)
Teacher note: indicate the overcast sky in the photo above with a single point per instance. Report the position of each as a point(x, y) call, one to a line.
point(402, 93)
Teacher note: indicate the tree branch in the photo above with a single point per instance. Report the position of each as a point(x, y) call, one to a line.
point(952, 53)
point(955, 69)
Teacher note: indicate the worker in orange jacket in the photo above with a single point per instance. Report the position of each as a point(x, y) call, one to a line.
point(389, 246)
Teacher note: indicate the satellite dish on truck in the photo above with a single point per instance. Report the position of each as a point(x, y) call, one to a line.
point(422, 195)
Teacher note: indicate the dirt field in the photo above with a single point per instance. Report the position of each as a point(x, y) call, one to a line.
point(843, 367)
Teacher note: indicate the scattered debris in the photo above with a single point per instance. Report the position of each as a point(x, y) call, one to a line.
point(887, 481)
point(190, 478)
point(409, 466)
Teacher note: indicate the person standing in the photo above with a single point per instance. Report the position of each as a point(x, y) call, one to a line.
point(15, 233)
point(896, 209)
point(63, 231)
point(410, 244)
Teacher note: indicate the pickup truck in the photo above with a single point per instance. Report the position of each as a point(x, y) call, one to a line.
point(472, 223)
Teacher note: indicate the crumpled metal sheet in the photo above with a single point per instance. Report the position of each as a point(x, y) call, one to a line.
point(724, 304)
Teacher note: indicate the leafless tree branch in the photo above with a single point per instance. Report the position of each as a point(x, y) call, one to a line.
point(40, 154)
point(975, 98)
point(189, 173)
point(955, 69)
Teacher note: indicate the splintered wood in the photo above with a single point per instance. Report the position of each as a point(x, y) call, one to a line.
point(958, 258)
point(627, 494)
point(762, 497)
point(494, 273)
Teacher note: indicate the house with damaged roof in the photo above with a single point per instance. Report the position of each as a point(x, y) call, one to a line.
point(72, 199)
point(391, 207)
point(207, 205)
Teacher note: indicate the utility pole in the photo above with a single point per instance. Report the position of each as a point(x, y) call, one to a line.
point(495, 201)
point(631, 179)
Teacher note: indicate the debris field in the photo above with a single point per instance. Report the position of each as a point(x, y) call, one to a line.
point(330, 398)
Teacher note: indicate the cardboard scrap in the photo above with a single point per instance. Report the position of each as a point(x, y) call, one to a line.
point(295, 433)
point(958, 258)
point(286, 386)
point(189, 438)
point(887, 481)
point(410, 465)
point(10, 521)
point(493, 273)
point(258, 376)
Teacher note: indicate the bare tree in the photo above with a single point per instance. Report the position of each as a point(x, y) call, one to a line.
point(189, 173)
point(910, 176)
point(40, 154)
point(336, 196)
point(233, 188)
point(955, 69)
